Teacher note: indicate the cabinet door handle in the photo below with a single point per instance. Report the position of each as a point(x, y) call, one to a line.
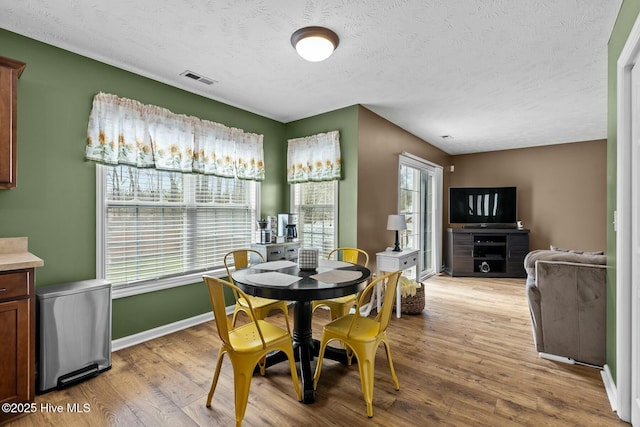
point(3, 289)
point(275, 252)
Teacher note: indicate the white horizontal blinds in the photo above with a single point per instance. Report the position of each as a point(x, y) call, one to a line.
point(143, 243)
point(223, 220)
point(217, 231)
point(315, 204)
point(161, 224)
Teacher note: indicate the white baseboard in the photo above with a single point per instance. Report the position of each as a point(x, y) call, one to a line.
point(128, 341)
point(610, 387)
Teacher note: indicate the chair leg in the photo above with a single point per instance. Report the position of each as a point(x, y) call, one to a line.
point(366, 366)
point(394, 377)
point(215, 378)
point(294, 372)
point(316, 375)
point(242, 384)
point(349, 352)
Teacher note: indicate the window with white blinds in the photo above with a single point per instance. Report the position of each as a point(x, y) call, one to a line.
point(316, 204)
point(164, 229)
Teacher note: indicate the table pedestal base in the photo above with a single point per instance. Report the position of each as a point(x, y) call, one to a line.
point(305, 349)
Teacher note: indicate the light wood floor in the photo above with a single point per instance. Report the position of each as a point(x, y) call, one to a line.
point(467, 360)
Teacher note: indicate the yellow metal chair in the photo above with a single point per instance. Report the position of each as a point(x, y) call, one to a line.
point(342, 305)
point(246, 345)
point(261, 306)
point(363, 336)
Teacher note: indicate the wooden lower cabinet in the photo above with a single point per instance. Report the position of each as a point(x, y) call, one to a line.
point(17, 342)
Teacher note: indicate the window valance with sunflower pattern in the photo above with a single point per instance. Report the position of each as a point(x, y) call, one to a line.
point(314, 158)
point(125, 131)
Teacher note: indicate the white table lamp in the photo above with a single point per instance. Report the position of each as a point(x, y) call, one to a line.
point(397, 223)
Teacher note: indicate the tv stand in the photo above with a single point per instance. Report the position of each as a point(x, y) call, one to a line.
point(486, 252)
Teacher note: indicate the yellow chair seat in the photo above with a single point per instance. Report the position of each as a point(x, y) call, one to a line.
point(363, 329)
point(339, 307)
point(342, 300)
point(256, 302)
point(246, 338)
point(363, 336)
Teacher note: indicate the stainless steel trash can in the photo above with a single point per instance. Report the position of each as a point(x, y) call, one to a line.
point(74, 333)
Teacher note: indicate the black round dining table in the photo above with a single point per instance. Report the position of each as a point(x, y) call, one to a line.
point(302, 292)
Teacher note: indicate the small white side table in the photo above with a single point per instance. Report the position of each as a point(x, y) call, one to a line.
point(388, 261)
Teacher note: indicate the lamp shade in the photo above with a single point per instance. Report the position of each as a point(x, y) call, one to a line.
point(396, 222)
point(314, 43)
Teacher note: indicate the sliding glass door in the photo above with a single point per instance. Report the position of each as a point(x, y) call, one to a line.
point(420, 200)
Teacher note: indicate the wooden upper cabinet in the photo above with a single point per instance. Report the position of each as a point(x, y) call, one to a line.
point(10, 71)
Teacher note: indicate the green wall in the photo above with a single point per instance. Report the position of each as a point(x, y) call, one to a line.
point(344, 120)
point(54, 202)
point(626, 18)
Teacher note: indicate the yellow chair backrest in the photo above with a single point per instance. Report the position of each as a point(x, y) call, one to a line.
point(387, 301)
point(216, 293)
point(351, 255)
point(241, 259)
point(384, 315)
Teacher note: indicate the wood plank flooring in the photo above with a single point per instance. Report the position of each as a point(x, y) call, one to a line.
point(467, 360)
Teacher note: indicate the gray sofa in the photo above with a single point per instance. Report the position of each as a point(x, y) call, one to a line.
point(567, 291)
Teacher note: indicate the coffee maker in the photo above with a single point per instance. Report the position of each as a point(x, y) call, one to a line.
point(264, 228)
point(287, 226)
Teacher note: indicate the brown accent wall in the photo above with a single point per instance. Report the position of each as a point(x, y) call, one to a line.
point(379, 144)
point(562, 193)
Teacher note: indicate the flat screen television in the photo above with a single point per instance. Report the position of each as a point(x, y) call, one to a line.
point(483, 206)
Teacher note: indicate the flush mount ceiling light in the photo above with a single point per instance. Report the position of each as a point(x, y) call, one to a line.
point(314, 43)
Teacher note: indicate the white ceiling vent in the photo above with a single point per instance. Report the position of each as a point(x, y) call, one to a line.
point(198, 77)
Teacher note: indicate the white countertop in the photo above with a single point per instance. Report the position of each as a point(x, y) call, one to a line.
point(14, 254)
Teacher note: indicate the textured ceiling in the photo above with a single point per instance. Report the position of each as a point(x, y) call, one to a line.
point(492, 74)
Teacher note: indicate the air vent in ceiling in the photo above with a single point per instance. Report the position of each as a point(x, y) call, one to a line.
point(198, 77)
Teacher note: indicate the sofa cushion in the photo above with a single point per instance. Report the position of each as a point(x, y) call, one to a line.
point(556, 248)
point(549, 255)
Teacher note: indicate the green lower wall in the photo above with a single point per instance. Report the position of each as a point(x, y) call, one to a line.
point(626, 18)
point(54, 202)
point(344, 120)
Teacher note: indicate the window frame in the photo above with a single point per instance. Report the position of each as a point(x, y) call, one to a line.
point(152, 285)
point(435, 171)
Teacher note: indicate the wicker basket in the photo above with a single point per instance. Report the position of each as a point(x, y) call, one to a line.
point(413, 304)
